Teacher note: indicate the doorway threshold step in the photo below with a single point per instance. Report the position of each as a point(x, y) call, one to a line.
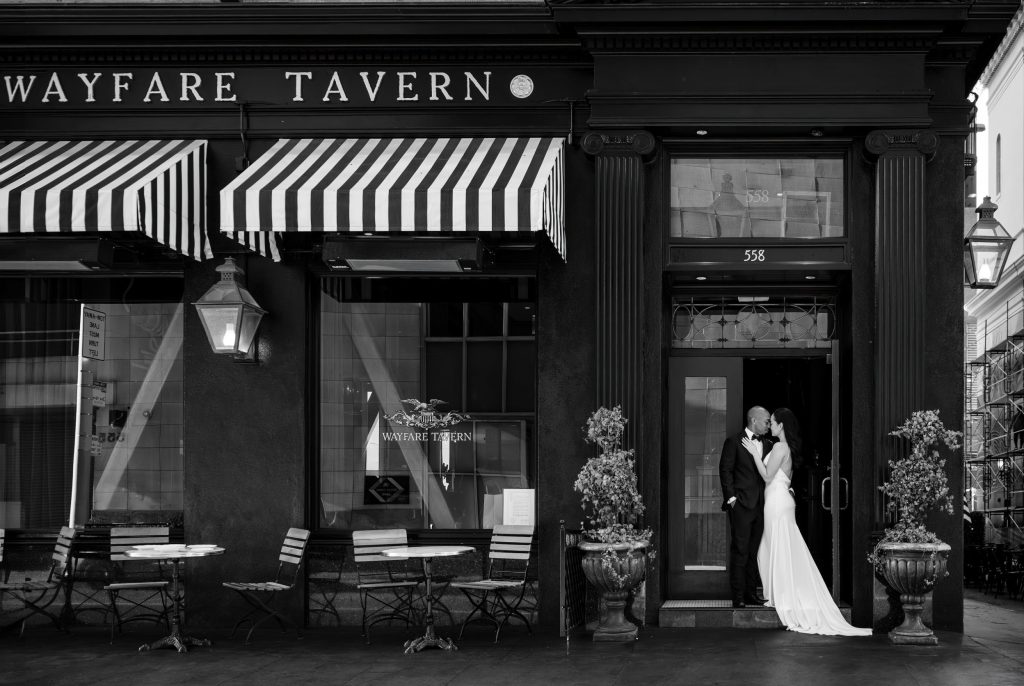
point(699, 614)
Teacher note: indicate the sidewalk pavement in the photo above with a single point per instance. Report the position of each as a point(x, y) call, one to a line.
point(989, 652)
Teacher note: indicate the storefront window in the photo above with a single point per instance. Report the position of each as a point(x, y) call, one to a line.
point(386, 462)
point(756, 198)
point(90, 413)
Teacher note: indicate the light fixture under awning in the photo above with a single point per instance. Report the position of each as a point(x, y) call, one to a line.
point(157, 188)
point(88, 255)
point(433, 186)
point(405, 255)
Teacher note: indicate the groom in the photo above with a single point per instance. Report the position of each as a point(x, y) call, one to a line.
point(743, 493)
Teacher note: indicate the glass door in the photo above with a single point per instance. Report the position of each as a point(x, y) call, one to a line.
point(705, 405)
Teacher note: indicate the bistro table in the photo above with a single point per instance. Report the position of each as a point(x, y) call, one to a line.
point(174, 554)
point(428, 553)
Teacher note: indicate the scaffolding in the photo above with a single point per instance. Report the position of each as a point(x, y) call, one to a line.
point(994, 423)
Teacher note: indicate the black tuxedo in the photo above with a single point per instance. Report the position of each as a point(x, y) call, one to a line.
point(740, 478)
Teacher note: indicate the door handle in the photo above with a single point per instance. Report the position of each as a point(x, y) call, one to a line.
point(824, 490)
point(846, 493)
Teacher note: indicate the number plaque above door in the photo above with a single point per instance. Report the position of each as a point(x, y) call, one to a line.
point(751, 255)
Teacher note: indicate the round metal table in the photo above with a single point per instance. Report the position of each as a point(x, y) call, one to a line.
point(174, 554)
point(428, 553)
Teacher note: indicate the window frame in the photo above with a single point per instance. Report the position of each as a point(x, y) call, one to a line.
point(329, 536)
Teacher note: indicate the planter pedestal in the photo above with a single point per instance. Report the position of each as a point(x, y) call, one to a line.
point(614, 575)
point(912, 569)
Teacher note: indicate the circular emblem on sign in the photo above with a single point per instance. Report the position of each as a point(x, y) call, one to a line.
point(521, 86)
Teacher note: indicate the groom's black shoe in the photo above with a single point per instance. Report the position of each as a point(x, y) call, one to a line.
point(738, 603)
point(753, 600)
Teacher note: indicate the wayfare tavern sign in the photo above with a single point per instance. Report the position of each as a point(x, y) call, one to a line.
point(302, 86)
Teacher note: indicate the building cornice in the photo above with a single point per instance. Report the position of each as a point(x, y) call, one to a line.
point(1013, 32)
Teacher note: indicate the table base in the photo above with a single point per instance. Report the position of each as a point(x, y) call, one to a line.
point(429, 640)
point(176, 641)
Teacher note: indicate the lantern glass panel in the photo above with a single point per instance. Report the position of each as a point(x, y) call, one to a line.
point(222, 327)
point(247, 332)
point(988, 258)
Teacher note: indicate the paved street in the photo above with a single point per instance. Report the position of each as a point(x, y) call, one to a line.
point(991, 651)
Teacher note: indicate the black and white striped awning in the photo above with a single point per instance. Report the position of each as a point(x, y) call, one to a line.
point(157, 188)
point(425, 185)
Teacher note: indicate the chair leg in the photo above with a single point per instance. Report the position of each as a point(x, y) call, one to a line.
point(116, 621)
point(400, 607)
point(479, 603)
point(510, 610)
point(259, 607)
point(35, 606)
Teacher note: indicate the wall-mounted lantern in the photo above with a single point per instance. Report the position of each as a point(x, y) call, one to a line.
point(985, 248)
point(230, 314)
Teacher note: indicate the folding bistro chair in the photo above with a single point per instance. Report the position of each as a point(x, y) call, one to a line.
point(140, 582)
point(253, 592)
point(498, 597)
point(37, 595)
point(324, 584)
point(386, 587)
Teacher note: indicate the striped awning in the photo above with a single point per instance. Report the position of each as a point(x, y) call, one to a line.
point(157, 188)
point(425, 185)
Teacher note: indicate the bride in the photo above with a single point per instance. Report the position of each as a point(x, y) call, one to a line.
point(792, 583)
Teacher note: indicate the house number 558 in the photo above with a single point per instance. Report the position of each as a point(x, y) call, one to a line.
point(753, 255)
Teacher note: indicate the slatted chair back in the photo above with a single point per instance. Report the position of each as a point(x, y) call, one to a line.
point(372, 566)
point(61, 553)
point(509, 554)
point(2, 532)
point(290, 560)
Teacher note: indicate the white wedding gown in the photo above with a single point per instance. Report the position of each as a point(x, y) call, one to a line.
point(792, 583)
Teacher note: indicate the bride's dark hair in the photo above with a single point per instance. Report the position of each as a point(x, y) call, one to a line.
point(785, 416)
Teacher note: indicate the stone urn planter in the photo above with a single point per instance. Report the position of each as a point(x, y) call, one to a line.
point(912, 569)
point(615, 569)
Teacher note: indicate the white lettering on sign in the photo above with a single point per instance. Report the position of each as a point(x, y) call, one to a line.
point(18, 87)
point(298, 76)
point(450, 436)
point(120, 84)
point(94, 330)
point(753, 255)
point(190, 82)
point(372, 92)
point(404, 86)
point(485, 90)
point(156, 87)
point(439, 82)
point(147, 86)
point(335, 88)
point(54, 88)
point(224, 88)
point(90, 85)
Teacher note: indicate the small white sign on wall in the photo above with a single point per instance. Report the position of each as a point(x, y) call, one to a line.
point(94, 334)
point(518, 506)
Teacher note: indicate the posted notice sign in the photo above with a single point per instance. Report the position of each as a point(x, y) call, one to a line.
point(518, 506)
point(94, 334)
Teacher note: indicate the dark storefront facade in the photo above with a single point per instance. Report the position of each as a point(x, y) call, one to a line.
point(525, 210)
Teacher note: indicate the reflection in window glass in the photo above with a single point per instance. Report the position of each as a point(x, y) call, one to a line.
point(38, 356)
point(90, 425)
point(131, 437)
point(756, 198)
point(385, 463)
point(705, 430)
